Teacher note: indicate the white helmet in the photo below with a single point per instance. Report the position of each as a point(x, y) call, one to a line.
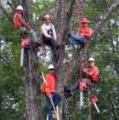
point(51, 67)
point(19, 7)
point(91, 59)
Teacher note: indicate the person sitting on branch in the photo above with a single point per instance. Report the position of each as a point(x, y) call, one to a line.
point(92, 71)
point(83, 33)
point(20, 23)
point(48, 33)
point(49, 89)
point(90, 75)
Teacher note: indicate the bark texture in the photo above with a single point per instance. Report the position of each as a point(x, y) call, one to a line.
point(31, 77)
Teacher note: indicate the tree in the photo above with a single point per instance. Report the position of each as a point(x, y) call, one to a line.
point(30, 75)
point(104, 47)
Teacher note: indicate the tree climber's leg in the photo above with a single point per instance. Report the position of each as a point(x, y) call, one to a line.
point(72, 39)
point(23, 31)
point(68, 90)
point(77, 39)
point(54, 46)
point(34, 36)
point(56, 98)
point(49, 109)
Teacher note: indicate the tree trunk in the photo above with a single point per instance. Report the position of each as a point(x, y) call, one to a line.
point(30, 84)
point(30, 75)
point(65, 12)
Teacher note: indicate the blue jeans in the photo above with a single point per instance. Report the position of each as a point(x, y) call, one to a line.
point(56, 97)
point(75, 39)
point(74, 86)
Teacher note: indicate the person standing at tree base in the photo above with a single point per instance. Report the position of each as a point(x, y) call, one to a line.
point(53, 98)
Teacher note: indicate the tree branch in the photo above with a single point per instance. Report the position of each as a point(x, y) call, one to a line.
point(7, 15)
point(11, 5)
point(105, 17)
point(70, 12)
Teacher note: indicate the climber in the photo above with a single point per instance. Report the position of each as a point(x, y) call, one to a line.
point(83, 33)
point(20, 23)
point(49, 89)
point(92, 71)
point(48, 33)
point(90, 75)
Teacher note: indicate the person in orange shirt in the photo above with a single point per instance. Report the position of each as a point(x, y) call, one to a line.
point(92, 71)
point(49, 89)
point(83, 33)
point(20, 23)
point(18, 20)
point(90, 74)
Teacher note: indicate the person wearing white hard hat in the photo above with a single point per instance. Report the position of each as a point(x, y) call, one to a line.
point(89, 74)
point(92, 71)
point(50, 67)
point(48, 34)
point(19, 7)
point(18, 20)
point(49, 89)
point(20, 23)
point(91, 59)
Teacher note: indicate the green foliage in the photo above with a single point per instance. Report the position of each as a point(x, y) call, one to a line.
point(107, 59)
point(105, 52)
point(11, 107)
point(11, 91)
point(8, 32)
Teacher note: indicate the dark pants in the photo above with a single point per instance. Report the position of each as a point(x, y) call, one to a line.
point(54, 46)
point(50, 42)
point(74, 86)
point(56, 100)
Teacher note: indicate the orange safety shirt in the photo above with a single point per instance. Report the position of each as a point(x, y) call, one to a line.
point(86, 32)
point(17, 20)
point(50, 85)
point(92, 72)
